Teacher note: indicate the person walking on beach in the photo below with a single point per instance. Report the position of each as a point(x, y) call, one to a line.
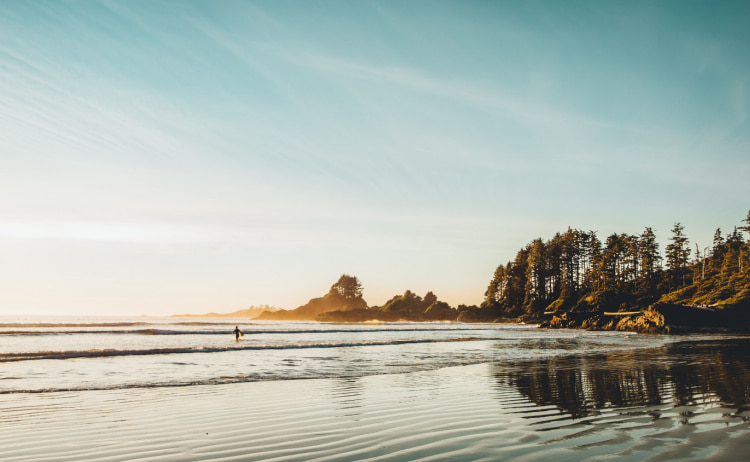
point(237, 333)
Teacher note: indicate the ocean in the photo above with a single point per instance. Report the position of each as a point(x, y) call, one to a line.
point(44, 354)
point(423, 391)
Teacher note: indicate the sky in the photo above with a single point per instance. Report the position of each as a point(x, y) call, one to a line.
point(163, 157)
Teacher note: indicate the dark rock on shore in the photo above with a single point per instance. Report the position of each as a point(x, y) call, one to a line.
point(659, 318)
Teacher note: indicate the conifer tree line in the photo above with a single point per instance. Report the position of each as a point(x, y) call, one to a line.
point(575, 271)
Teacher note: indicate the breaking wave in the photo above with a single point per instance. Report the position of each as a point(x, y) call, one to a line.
point(41, 355)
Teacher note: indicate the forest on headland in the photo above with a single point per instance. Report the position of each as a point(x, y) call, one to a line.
point(575, 279)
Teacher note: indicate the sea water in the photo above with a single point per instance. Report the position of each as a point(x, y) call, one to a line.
point(41, 354)
point(184, 389)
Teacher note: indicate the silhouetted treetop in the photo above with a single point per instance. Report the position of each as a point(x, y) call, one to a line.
point(347, 286)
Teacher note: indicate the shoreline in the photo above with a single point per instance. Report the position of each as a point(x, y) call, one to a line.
point(658, 318)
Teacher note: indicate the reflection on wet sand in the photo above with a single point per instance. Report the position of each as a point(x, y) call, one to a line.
point(684, 401)
point(347, 394)
point(690, 373)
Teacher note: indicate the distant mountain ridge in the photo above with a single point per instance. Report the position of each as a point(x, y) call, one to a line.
point(251, 312)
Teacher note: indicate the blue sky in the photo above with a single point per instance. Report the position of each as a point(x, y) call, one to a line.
point(170, 157)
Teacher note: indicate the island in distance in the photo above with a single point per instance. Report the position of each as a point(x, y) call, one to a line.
point(344, 303)
point(575, 280)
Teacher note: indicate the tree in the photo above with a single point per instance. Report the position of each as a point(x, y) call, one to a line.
point(496, 290)
point(631, 271)
point(430, 298)
point(515, 290)
point(746, 228)
point(650, 261)
point(745, 251)
point(570, 264)
point(591, 250)
point(678, 255)
point(536, 277)
point(717, 251)
point(347, 286)
point(733, 256)
point(618, 263)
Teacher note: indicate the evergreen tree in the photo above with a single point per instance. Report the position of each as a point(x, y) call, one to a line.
point(612, 264)
point(745, 250)
point(570, 258)
point(535, 292)
point(746, 228)
point(430, 298)
point(515, 292)
point(553, 268)
point(650, 261)
point(347, 286)
point(733, 253)
point(678, 256)
point(496, 290)
point(717, 252)
point(632, 263)
point(591, 249)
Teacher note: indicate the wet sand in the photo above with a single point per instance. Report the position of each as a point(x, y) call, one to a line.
point(685, 402)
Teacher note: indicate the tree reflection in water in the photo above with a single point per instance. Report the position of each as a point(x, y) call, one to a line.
point(680, 374)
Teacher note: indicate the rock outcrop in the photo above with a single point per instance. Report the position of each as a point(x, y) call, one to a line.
point(659, 318)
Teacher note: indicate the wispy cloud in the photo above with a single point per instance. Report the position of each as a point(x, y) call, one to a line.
point(102, 232)
point(542, 116)
point(378, 135)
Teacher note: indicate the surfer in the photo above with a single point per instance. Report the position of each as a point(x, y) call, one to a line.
point(237, 333)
